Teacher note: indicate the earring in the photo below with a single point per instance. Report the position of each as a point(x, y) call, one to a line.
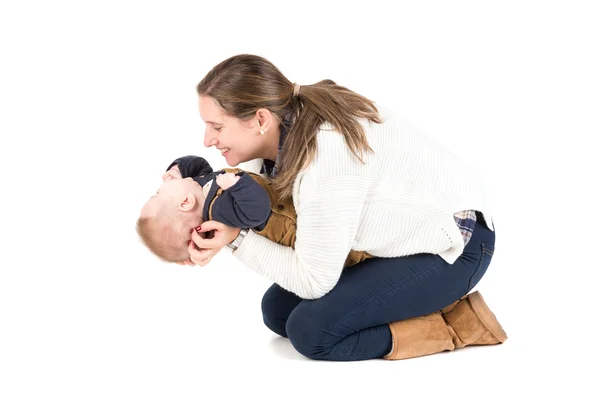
point(262, 132)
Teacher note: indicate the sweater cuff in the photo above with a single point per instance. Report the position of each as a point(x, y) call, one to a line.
point(243, 252)
point(256, 251)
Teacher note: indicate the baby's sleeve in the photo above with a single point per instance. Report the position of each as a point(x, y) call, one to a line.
point(244, 205)
point(191, 166)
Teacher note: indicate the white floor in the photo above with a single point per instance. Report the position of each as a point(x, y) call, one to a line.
point(129, 330)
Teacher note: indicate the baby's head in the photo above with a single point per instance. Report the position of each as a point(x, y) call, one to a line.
point(167, 219)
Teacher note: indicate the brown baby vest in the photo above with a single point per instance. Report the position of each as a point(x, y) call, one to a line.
point(281, 226)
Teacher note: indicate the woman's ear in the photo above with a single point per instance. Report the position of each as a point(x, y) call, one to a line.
point(265, 119)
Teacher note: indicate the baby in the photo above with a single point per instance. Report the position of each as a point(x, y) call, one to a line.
point(192, 193)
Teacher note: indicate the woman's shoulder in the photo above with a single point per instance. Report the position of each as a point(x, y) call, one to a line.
point(391, 119)
point(392, 128)
point(333, 158)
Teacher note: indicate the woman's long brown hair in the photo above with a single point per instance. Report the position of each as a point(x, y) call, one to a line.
point(245, 83)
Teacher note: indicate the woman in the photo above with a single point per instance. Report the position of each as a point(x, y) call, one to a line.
point(360, 179)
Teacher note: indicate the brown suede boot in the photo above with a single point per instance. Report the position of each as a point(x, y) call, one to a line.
point(471, 322)
point(467, 321)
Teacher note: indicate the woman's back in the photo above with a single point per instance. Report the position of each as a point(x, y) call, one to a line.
point(402, 199)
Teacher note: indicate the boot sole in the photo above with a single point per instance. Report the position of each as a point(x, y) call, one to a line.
point(487, 317)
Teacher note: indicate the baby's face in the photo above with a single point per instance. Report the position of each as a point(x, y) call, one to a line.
point(171, 191)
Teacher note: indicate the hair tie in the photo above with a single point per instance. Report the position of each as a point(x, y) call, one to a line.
point(296, 89)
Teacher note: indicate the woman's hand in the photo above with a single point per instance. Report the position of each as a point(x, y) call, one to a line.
point(186, 262)
point(222, 235)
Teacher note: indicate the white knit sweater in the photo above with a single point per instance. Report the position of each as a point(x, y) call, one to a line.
point(400, 202)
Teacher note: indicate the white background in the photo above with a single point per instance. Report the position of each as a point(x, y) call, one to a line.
point(96, 98)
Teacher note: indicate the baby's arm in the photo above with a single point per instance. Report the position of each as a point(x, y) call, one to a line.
point(172, 173)
point(191, 166)
point(244, 204)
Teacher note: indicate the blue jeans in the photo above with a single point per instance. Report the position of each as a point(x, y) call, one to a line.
point(351, 321)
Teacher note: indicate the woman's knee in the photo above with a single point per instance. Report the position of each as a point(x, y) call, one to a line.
point(307, 335)
point(276, 306)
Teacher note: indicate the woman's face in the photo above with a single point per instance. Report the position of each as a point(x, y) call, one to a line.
point(237, 140)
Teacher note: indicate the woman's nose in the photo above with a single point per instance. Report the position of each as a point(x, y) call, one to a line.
point(209, 139)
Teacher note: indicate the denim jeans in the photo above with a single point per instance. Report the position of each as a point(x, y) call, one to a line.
point(351, 321)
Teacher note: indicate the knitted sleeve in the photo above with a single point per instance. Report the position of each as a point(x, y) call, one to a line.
point(328, 206)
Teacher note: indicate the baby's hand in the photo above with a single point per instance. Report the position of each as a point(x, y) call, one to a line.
point(227, 180)
point(172, 173)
